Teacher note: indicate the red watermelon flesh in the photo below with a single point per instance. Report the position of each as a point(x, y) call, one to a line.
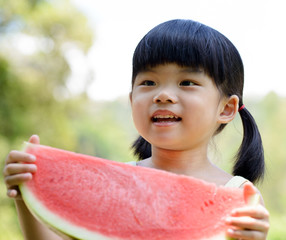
point(91, 198)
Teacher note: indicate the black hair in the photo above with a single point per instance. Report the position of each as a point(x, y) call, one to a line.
point(190, 43)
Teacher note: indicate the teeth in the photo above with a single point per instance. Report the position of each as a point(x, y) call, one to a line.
point(165, 116)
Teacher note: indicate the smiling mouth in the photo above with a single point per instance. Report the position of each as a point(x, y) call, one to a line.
point(165, 118)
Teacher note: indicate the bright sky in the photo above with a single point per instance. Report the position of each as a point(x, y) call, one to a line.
point(256, 27)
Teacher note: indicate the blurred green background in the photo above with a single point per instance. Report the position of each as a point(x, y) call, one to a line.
point(35, 99)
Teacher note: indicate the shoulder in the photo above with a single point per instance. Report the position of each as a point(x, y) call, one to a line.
point(133, 163)
point(236, 182)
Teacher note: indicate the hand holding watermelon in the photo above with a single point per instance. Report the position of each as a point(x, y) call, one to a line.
point(18, 169)
point(249, 222)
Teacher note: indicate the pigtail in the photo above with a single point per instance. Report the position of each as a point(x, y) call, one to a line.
point(250, 157)
point(141, 148)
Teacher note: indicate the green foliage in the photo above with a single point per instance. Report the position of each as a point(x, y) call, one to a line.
point(105, 130)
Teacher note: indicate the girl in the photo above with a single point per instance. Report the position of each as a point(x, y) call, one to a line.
point(187, 85)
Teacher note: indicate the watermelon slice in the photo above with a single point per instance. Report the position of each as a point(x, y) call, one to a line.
point(91, 198)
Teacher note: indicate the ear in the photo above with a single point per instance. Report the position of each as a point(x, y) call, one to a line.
point(229, 109)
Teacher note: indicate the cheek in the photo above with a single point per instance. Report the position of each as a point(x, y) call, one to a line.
point(200, 112)
point(139, 113)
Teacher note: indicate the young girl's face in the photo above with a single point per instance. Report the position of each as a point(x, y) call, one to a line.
point(176, 108)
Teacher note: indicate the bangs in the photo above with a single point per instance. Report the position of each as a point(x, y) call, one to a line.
point(186, 43)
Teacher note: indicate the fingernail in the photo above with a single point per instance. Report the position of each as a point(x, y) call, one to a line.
point(233, 212)
point(33, 168)
point(28, 175)
point(33, 158)
point(11, 193)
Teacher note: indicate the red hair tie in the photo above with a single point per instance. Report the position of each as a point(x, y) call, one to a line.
point(242, 107)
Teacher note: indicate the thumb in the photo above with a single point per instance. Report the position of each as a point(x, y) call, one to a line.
point(34, 139)
point(251, 196)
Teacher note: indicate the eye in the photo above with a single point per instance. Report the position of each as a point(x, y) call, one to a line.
point(148, 83)
point(187, 83)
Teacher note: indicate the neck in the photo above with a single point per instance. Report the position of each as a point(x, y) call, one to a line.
point(193, 163)
point(190, 162)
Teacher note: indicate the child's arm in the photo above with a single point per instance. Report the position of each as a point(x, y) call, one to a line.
point(31, 228)
point(17, 171)
point(250, 222)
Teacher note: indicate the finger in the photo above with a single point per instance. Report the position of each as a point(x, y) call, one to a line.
point(17, 168)
point(246, 234)
point(15, 180)
point(17, 156)
point(258, 212)
point(12, 193)
point(248, 223)
point(34, 139)
point(250, 194)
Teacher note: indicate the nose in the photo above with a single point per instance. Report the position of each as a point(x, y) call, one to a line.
point(165, 96)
